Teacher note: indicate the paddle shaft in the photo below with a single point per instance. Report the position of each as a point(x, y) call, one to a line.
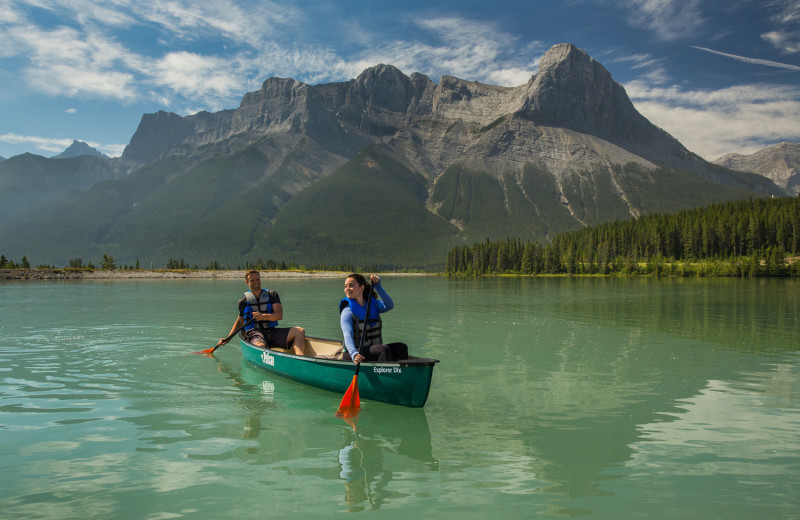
point(366, 324)
point(235, 332)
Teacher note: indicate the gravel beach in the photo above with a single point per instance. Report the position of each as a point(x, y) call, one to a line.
point(99, 274)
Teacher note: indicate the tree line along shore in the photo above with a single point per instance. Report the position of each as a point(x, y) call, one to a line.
point(750, 238)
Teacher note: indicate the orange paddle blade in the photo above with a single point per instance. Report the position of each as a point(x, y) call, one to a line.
point(207, 351)
point(352, 420)
point(351, 402)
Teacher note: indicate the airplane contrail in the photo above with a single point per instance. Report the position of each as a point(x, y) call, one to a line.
point(745, 59)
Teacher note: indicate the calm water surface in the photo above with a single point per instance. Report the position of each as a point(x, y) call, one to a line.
point(596, 398)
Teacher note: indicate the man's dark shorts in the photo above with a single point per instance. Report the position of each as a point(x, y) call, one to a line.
point(275, 337)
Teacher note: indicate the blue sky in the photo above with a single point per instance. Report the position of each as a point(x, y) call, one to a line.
point(721, 76)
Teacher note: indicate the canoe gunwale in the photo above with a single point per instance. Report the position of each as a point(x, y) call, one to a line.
point(411, 361)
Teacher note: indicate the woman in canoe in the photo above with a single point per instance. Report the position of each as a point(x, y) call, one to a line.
point(352, 310)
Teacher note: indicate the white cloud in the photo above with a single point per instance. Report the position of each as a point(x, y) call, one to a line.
point(194, 75)
point(244, 22)
point(741, 119)
point(49, 144)
point(57, 145)
point(67, 61)
point(79, 59)
point(476, 51)
point(668, 20)
point(786, 34)
point(111, 150)
point(786, 41)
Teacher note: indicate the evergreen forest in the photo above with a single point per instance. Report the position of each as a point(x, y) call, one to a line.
point(756, 237)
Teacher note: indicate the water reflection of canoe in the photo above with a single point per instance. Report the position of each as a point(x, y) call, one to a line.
point(388, 445)
point(405, 382)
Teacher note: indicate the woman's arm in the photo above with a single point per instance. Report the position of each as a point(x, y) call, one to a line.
point(388, 304)
point(346, 321)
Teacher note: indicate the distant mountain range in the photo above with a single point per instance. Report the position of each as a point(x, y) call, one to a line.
point(384, 170)
point(779, 163)
point(78, 148)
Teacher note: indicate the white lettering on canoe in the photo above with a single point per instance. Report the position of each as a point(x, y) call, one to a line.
point(268, 359)
point(387, 370)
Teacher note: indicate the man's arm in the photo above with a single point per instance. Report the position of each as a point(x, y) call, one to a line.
point(236, 324)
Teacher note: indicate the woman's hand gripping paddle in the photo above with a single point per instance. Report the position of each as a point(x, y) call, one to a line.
point(351, 402)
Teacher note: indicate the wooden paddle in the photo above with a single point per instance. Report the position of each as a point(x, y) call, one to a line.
point(210, 351)
point(351, 402)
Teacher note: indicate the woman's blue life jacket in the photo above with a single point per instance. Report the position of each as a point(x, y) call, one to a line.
point(374, 336)
point(256, 304)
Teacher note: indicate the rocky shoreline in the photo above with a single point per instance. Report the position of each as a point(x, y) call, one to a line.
point(100, 274)
point(162, 274)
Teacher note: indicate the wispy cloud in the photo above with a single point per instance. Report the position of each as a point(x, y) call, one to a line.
point(57, 145)
point(468, 49)
point(70, 62)
point(666, 19)
point(194, 75)
point(786, 33)
point(652, 68)
point(754, 61)
point(244, 22)
point(78, 57)
point(712, 123)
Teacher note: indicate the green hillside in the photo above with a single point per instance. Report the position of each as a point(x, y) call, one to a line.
point(29, 181)
point(273, 201)
point(371, 211)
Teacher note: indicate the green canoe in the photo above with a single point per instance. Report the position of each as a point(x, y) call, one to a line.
point(405, 382)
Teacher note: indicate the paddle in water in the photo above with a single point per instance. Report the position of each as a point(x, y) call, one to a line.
point(351, 402)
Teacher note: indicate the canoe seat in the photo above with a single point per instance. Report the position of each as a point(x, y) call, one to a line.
point(319, 348)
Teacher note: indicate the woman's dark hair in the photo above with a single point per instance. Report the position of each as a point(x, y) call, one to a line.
point(360, 280)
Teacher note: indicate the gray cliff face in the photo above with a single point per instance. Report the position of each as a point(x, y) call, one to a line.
point(377, 101)
point(571, 116)
point(573, 91)
point(279, 106)
point(779, 163)
point(156, 133)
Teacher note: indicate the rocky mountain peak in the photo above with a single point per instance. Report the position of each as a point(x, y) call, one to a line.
point(274, 106)
point(155, 133)
point(780, 163)
point(78, 148)
point(377, 101)
point(571, 90)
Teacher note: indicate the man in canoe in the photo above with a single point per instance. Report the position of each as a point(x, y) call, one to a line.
point(352, 317)
point(259, 313)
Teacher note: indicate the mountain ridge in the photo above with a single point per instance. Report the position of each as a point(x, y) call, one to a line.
point(779, 163)
point(565, 150)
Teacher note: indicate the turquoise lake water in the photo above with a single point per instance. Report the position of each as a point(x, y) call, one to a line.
point(555, 397)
